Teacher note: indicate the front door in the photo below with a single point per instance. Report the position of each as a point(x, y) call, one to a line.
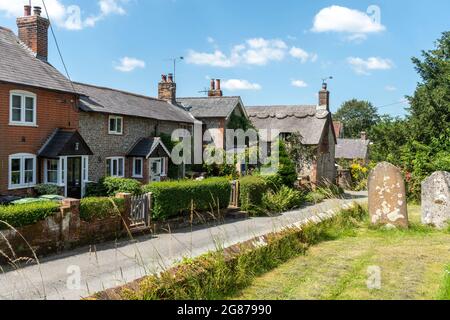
point(74, 184)
point(156, 166)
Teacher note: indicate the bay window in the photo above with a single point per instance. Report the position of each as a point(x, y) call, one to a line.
point(22, 171)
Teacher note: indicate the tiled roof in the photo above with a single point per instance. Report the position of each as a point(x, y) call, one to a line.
point(18, 64)
point(210, 107)
point(304, 120)
point(352, 149)
point(147, 147)
point(112, 101)
point(62, 143)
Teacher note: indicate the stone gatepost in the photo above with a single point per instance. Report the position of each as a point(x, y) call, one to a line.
point(436, 200)
point(387, 197)
point(70, 222)
point(126, 214)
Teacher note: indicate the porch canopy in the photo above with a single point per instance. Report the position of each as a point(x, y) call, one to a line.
point(64, 143)
point(149, 148)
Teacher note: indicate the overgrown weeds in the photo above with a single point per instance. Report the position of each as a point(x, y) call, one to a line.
point(444, 293)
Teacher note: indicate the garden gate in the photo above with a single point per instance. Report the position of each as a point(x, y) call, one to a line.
point(141, 207)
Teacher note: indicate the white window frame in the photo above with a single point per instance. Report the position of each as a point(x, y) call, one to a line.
point(62, 168)
point(138, 175)
point(22, 157)
point(23, 95)
point(115, 118)
point(112, 159)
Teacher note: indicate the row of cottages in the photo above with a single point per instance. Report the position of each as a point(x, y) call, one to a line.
point(69, 134)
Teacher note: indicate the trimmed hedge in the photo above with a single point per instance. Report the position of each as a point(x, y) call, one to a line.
point(252, 189)
point(27, 214)
point(100, 208)
point(172, 198)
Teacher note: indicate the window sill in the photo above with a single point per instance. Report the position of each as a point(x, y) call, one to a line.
point(21, 187)
point(138, 177)
point(19, 124)
point(115, 134)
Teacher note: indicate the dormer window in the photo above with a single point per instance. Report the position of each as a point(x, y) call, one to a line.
point(22, 111)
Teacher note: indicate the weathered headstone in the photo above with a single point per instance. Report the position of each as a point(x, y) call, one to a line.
point(436, 199)
point(387, 197)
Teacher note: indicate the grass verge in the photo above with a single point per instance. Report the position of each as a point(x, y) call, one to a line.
point(223, 273)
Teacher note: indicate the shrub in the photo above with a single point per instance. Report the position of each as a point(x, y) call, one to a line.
point(252, 189)
point(96, 189)
point(114, 186)
point(173, 198)
point(314, 197)
point(274, 181)
point(26, 214)
point(100, 208)
point(283, 200)
point(47, 189)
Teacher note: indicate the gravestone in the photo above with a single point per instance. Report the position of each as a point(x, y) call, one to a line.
point(387, 197)
point(436, 199)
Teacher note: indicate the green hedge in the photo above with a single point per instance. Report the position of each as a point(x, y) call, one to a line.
point(26, 214)
point(252, 189)
point(100, 208)
point(172, 198)
point(110, 186)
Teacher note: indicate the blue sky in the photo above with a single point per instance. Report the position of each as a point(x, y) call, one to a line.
point(268, 52)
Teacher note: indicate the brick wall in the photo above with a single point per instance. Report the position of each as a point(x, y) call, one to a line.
point(54, 110)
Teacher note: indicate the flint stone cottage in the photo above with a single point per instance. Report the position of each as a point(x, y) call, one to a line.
point(123, 130)
point(38, 115)
point(315, 126)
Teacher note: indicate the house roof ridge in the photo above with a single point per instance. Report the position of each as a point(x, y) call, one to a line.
point(224, 97)
point(118, 90)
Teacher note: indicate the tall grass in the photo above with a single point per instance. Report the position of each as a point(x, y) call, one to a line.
point(444, 293)
point(221, 274)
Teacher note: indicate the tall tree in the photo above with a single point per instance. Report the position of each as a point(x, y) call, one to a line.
point(430, 105)
point(357, 116)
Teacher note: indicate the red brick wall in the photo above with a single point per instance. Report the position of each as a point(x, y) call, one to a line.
point(54, 110)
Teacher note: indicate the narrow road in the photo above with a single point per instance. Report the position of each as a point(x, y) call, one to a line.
point(82, 272)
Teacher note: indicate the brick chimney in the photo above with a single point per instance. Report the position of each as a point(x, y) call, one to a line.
point(215, 89)
point(324, 97)
point(33, 31)
point(364, 136)
point(167, 89)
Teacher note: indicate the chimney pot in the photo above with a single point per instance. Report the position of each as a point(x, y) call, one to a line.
point(364, 136)
point(33, 32)
point(27, 10)
point(167, 89)
point(324, 97)
point(218, 84)
point(37, 11)
point(213, 84)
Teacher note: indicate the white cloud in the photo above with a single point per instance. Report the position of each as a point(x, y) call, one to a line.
point(256, 51)
point(66, 16)
point(361, 66)
point(299, 84)
point(128, 64)
point(390, 88)
point(301, 54)
point(237, 84)
point(353, 22)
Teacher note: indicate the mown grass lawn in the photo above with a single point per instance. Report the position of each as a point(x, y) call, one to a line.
point(414, 265)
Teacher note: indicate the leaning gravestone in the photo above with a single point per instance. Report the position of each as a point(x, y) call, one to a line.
point(436, 199)
point(387, 197)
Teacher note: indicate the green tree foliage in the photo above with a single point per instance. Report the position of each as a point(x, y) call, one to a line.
point(357, 116)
